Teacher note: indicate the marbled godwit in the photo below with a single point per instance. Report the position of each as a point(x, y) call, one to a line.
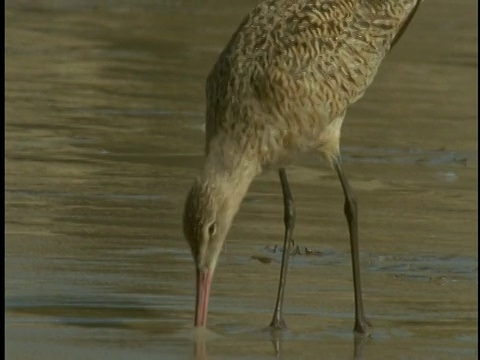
point(283, 85)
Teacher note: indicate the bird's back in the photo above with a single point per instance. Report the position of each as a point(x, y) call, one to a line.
point(292, 67)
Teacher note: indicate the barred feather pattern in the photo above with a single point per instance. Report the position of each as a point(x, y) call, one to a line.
point(288, 74)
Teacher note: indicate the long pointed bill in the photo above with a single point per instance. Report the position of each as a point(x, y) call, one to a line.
point(204, 280)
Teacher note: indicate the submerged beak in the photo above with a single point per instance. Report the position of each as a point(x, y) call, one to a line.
point(204, 280)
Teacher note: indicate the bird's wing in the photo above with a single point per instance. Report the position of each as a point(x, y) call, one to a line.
point(405, 24)
point(296, 49)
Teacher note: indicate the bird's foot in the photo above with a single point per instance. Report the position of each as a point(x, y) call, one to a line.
point(277, 324)
point(362, 327)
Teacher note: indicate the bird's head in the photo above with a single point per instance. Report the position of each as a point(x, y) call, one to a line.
point(207, 218)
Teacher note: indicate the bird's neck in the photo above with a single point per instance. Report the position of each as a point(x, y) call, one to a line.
point(229, 174)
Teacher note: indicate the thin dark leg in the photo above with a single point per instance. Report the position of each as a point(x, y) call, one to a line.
point(289, 220)
point(361, 324)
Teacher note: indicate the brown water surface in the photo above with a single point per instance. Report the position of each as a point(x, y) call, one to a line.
point(104, 134)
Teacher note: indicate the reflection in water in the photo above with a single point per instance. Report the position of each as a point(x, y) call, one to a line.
point(359, 341)
point(200, 349)
point(277, 338)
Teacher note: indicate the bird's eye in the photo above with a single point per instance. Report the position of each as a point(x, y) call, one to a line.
point(212, 229)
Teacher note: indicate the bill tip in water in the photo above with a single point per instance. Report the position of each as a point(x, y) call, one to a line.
point(201, 333)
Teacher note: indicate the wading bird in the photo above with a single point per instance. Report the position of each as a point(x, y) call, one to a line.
point(282, 85)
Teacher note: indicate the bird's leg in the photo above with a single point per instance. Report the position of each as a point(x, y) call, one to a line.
point(361, 323)
point(289, 220)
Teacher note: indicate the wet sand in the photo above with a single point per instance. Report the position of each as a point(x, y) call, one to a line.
point(104, 117)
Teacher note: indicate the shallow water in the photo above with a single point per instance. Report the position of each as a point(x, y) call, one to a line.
point(104, 133)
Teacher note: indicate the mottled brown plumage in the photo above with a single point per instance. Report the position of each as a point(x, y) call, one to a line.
point(283, 85)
